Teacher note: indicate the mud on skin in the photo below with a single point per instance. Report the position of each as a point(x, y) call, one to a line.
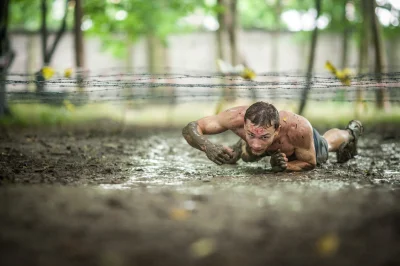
point(141, 199)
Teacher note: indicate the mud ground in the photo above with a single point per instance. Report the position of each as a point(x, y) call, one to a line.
point(144, 197)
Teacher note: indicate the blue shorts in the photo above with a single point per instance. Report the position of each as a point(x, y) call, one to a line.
point(321, 147)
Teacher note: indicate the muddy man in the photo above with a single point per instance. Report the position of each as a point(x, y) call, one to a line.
point(290, 140)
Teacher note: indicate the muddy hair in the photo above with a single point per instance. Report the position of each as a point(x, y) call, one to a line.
point(262, 114)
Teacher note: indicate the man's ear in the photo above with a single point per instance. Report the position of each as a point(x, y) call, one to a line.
point(277, 130)
point(245, 123)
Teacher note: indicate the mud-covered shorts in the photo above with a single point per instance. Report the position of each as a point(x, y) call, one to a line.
point(321, 147)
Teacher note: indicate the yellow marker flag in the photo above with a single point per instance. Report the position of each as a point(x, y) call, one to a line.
point(248, 74)
point(69, 106)
point(68, 72)
point(47, 72)
point(330, 67)
point(343, 75)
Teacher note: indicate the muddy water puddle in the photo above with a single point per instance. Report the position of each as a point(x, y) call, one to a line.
point(166, 160)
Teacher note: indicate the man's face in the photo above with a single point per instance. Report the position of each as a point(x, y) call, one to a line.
point(259, 138)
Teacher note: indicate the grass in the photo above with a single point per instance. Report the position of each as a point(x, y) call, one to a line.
point(324, 115)
point(46, 115)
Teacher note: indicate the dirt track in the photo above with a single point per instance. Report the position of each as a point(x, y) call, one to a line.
point(147, 198)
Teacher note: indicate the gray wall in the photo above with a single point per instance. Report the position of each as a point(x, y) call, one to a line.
point(196, 51)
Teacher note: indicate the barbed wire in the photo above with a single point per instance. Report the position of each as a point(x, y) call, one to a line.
point(188, 87)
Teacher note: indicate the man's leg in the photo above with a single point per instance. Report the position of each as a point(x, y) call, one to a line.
point(344, 142)
point(335, 137)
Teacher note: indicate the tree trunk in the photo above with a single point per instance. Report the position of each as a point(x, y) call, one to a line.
point(229, 93)
point(3, 101)
point(232, 31)
point(393, 60)
point(346, 37)
point(128, 90)
point(129, 57)
point(221, 31)
point(341, 94)
point(276, 34)
point(154, 59)
point(6, 57)
point(47, 55)
point(43, 32)
point(31, 46)
point(78, 41)
point(310, 66)
point(170, 90)
point(363, 55)
point(381, 92)
point(39, 78)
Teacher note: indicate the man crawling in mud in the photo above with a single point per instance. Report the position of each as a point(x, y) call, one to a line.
point(290, 140)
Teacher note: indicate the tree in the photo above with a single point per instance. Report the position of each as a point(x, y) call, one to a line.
point(78, 41)
point(363, 54)
point(346, 36)
point(232, 31)
point(377, 39)
point(310, 59)
point(48, 52)
point(221, 31)
point(123, 22)
point(6, 56)
point(116, 21)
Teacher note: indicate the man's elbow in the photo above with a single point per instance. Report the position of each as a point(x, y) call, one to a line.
point(310, 166)
point(187, 129)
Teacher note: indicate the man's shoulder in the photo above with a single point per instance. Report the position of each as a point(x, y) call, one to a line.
point(240, 110)
point(289, 115)
point(234, 117)
point(299, 129)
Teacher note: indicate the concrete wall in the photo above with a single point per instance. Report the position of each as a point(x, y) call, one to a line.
point(195, 52)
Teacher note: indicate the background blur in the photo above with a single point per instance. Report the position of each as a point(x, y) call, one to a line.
point(183, 59)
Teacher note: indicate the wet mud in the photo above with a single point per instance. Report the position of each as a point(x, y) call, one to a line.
point(147, 198)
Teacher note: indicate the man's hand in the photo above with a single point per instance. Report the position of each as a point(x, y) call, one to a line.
point(220, 154)
point(278, 161)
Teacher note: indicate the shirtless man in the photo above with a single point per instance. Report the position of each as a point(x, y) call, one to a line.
point(290, 140)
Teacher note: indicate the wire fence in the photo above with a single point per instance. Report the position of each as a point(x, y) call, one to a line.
point(115, 86)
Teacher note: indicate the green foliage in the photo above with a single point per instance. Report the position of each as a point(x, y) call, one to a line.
point(26, 15)
point(259, 14)
point(319, 114)
point(46, 115)
point(117, 21)
point(18, 11)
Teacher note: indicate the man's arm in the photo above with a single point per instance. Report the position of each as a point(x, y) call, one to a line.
point(303, 141)
point(305, 162)
point(194, 133)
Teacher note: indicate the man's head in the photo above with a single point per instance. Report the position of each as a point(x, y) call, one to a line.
point(261, 123)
